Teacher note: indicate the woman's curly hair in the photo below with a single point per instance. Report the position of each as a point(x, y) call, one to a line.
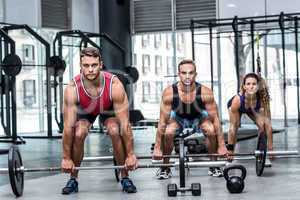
point(263, 94)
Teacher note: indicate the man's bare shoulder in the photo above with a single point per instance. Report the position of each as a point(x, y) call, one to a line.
point(117, 84)
point(206, 90)
point(70, 92)
point(167, 95)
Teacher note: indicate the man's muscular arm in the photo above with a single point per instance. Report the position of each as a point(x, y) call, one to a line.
point(121, 109)
point(212, 109)
point(165, 109)
point(70, 116)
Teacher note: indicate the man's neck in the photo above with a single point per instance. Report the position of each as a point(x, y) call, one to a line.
point(187, 89)
point(93, 83)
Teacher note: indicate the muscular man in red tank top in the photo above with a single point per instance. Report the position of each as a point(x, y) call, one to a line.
point(91, 93)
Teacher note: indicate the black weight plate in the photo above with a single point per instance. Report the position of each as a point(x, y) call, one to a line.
point(12, 65)
point(261, 158)
point(16, 177)
point(117, 171)
point(181, 163)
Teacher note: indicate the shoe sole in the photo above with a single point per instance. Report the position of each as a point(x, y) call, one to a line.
point(66, 193)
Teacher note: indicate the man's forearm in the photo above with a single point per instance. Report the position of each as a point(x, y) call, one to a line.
point(159, 134)
point(67, 143)
point(220, 135)
point(126, 134)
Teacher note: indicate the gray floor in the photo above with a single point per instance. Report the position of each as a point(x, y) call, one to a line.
point(281, 181)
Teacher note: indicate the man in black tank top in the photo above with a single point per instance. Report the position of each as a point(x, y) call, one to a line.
point(188, 104)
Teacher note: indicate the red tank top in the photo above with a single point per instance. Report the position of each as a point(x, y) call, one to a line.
point(94, 105)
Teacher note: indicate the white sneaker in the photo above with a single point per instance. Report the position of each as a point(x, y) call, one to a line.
point(163, 173)
point(268, 163)
point(215, 172)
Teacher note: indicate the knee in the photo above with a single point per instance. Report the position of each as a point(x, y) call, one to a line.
point(80, 135)
point(169, 133)
point(210, 131)
point(113, 130)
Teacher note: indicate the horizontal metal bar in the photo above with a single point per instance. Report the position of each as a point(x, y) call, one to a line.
point(256, 153)
point(187, 164)
point(278, 153)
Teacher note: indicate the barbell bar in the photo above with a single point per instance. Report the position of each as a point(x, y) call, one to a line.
point(16, 169)
point(255, 154)
point(22, 169)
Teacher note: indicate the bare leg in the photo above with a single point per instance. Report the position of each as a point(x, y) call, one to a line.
point(209, 131)
point(81, 131)
point(113, 129)
point(168, 139)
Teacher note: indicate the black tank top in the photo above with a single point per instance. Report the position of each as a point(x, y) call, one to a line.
point(190, 110)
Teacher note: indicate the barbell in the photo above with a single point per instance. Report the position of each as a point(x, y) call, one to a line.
point(16, 169)
point(258, 156)
point(12, 65)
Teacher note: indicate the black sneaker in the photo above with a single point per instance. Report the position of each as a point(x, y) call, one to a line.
point(71, 187)
point(215, 172)
point(163, 173)
point(128, 185)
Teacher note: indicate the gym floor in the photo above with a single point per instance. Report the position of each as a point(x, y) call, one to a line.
point(281, 181)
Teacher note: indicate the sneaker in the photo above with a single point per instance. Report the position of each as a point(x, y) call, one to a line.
point(268, 163)
point(163, 173)
point(128, 185)
point(215, 172)
point(71, 187)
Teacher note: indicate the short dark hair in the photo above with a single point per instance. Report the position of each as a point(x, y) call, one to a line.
point(186, 61)
point(91, 51)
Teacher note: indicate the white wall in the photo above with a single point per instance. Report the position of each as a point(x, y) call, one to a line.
point(22, 12)
point(85, 15)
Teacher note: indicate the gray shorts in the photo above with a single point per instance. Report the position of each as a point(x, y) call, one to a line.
point(188, 123)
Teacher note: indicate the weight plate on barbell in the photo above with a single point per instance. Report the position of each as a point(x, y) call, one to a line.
point(12, 65)
point(261, 158)
point(16, 177)
point(117, 171)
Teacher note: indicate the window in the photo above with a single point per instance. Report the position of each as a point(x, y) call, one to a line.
point(157, 41)
point(145, 40)
point(158, 90)
point(170, 67)
point(29, 92)
point(28, 54)
point(158, 65)
point(146, 64)
point(180, 41)
point(146, 91)
point(169, 40)
point(134, 62)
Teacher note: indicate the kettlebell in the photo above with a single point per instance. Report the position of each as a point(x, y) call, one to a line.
point(235, 184)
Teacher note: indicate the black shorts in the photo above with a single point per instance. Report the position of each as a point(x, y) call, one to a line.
point(91, 118)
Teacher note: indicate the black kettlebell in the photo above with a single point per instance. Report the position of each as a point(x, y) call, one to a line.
point(235, 184)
